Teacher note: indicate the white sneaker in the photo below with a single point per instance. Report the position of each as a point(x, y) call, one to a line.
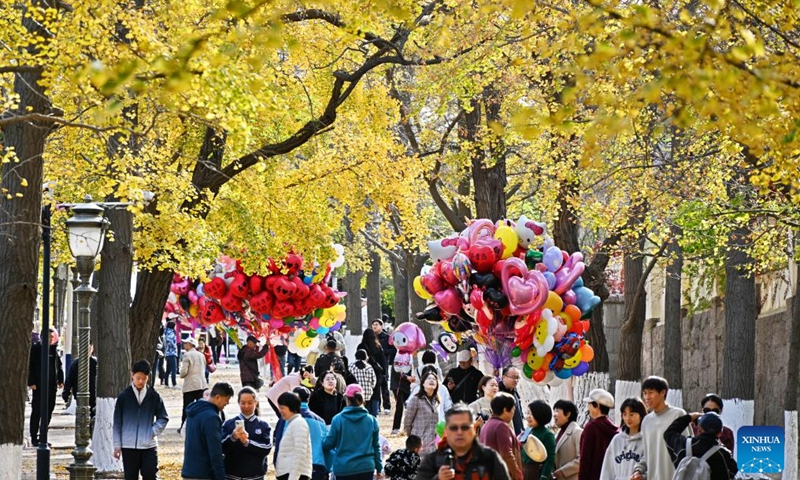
point(395, 432)
point(386, 411)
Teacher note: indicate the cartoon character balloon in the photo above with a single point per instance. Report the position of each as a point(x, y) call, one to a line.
point(407, 338)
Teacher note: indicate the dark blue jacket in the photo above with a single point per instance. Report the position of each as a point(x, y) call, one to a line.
point(202, 455)
point(249, 460)
point(137, 426)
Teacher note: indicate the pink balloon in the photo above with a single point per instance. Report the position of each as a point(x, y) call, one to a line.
point(448, 275)
point(193, 297)
point(479, 229)
point(565, 278)
point(276, 323)
point(448, 300)
point(432, 283)
point(569, 297)
point(526, 293)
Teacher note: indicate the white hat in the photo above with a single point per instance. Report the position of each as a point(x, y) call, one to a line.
point(601, 397)
point(464, 356)
point(191, 341)
point(534, 448)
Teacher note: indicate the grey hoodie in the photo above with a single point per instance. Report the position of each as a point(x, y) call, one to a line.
point(623, 453)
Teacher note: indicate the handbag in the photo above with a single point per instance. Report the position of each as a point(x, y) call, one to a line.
point(212, 368)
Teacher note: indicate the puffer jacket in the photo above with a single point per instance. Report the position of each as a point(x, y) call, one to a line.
point(137, 426)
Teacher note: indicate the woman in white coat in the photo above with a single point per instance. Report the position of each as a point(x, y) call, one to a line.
point(294, 455)
point(568, 440)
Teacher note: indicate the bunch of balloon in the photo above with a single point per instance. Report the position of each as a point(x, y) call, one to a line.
point(508, 283)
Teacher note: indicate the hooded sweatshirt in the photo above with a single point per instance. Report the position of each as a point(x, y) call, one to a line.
point(624, 452)
point(202, 455)
point(354, 435)
point(597, 435)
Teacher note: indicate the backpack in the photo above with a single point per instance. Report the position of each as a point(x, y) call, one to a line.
point(694, 468)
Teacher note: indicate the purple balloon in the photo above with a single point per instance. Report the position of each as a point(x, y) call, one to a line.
point(336, 326)
point(569, 297)
point(553, 258)
point(551, 280)
point(580, 369)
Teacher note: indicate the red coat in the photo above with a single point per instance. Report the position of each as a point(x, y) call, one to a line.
point(497, 435)
point(597, 435)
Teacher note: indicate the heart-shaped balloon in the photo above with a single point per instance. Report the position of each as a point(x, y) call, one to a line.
point(527, 292)
point(283, 309)
point(231, 303)
point(216, 288)
point(432, 283)
point(262, 302)
point(284, 288)
point(240, 287)
point(302, 289)
point(566, 277)
point(449, 300)
point(482, 257)
point(480, 229)
point(212, 313)
point(256, 284)
point(447, 273)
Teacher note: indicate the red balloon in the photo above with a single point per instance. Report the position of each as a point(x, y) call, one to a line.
point(539, 375)
point(256, 284)
point(481, 257)
point(216, 288)
point(231, 303)
point(432, 283)
point(271, 281)
point(262, 303)
point(273, 267)
point(447, 273)
point(283, 309)
point(212, 313)
point(293, 263)
point(240, 287)
point(316, 295)
point(331, 298)
point(302, 289)
point(284, 288)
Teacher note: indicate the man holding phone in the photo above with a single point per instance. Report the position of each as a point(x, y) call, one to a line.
point(462, 457)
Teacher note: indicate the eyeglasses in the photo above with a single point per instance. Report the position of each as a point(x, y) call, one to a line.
point(715, 410)
point(455, 428)
point(512, 378)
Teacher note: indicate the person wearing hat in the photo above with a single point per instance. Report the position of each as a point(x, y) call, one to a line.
point(354, 434)
point(705, 445)
point(248, 362)
point(193, 373)
point(597, 434)
point(467, 378)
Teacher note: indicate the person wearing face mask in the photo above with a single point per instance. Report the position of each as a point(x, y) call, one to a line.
point(422, 413)
point(55, 379)
point(326, 401)
point(246, 440)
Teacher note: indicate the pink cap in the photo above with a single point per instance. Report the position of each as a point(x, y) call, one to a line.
point(352, 389)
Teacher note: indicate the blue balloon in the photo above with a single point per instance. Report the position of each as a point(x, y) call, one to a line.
point(553, 258)
point(551, 279)
point(578, 283)
point(307, 280)
point(323, 330)
point(265, 316)
point(580, 369)
point(199, 290)
point(586, 300)
point(564, 373)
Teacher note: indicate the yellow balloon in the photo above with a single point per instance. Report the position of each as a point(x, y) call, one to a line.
point(567, 319)
point(446, 327)
point(574, 361)
point(327, 321)
point(194, 310)
point(554, 302)
point(303, 340)
point(541, 333)
point(535, 361)
point(421, 291)
point(509, 238)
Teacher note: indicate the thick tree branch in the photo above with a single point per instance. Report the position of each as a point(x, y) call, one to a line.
point(628, 324)
point(39, 117)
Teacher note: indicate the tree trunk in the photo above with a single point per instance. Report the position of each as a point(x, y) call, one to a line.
point(112, 324)
point(352, 285)
point(630, 351)
point(673, 315)
point(565, 229)
point(147, 309)
point(790, 410)
point(738, 377)
point(596, 337)
point(414, 262)
point(401, 293)
point(374, 286)
point(20, 220)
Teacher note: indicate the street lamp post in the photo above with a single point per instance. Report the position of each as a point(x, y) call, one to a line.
point(87, 228)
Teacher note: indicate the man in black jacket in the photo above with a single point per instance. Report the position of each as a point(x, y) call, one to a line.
point(721, 463)
point(389, 352)
point(55, 379)
point(462, 456)
point(71, 384)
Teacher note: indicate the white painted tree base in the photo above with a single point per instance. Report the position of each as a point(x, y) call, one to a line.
point(72, 409)
point(103, 437)
point(789, 445)
point(737, 413)
point(10, 462)
point(623, 390)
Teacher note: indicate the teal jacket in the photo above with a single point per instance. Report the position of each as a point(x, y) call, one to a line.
point(354, 435)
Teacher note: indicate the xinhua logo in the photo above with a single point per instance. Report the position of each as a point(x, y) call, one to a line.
point(760, 449)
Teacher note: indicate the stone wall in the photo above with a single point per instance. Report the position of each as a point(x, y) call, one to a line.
point(703, 343)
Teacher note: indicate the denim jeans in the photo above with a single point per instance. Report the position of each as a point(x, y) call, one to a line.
point(172, 370)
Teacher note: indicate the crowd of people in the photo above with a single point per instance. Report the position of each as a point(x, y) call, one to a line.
point(462, 425)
